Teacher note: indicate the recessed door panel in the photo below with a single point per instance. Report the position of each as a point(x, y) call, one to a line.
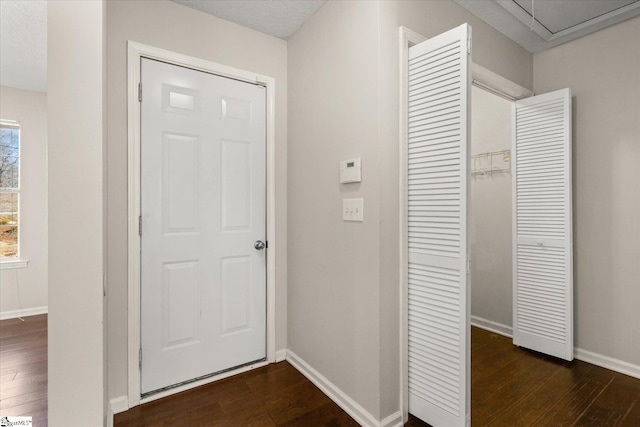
point(236, 185)
point(180, 100)
point(236, 109)
point(235, 281)
point(181, 173)
point(180, 304)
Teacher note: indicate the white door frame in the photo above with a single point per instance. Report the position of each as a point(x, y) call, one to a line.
point(480, 77)
point(135, 52)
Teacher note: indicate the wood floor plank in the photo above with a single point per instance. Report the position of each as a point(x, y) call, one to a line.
point(487, 361)
point(545, 394)
point(8, 376)
point(22, 329)
point(478, 339)
point(298, 400)
point(25, 357)
point(23, 368)
point(27, 370)
point(15, 353)
point(26, 409)
point(38, 418)
point(504, 375)
point(328, 414)
point(632, 418)
point(176, 412)
point(16, 387)
point(484, 388)
point(18, 342)
point(614, 403)
point(592, 381)
point(22, 399)
point(279, 376)
point(281, 406)
point(513, 391)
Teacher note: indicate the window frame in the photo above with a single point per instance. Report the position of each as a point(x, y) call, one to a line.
point(15, 261)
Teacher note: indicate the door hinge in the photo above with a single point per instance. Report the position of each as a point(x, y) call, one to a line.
point(140, 225)
point(469, 43)
point(468, 265)
point(140, 92)
point(140, 359)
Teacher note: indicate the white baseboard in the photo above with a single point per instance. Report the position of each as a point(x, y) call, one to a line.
point(492, 326)
point(393, 420)
point(350, 406)
point(607, 362)
point(580, 354)
point(119, 404)
point(23, 313)
point(281, 355)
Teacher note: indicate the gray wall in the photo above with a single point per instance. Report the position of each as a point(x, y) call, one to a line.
point(343, 102)
point(27, 288)
point(603, 70)
point(490, 219)
point(333, 265)
point(75, 80)
point(177, 28)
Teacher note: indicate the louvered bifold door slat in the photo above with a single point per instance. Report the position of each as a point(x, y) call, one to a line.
point(542, 230)
point(437, 180)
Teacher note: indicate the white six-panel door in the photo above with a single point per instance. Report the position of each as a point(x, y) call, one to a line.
point(438, 286)
point(542, 224)
point(203, 284)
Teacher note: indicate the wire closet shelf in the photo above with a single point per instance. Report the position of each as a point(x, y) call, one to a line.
point(491, 163)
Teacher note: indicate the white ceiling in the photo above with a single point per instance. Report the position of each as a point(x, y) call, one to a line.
point(278, 18)
point(556, 21)
point(23, 44)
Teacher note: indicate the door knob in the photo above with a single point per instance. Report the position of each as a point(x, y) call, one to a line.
point(259, 245)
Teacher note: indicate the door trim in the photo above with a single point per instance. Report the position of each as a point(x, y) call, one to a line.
point(135, 52)
point(481, 77)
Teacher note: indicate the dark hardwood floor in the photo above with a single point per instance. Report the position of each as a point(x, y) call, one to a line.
point(276, 395)
point(23, 368)
point(510, 387)
point(515, 387)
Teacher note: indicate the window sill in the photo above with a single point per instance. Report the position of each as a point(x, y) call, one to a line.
point(14, 263)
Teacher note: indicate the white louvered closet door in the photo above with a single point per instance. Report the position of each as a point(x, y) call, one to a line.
point(438, 287)
point(542, 226)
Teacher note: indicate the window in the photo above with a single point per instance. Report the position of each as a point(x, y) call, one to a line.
point(9, 189)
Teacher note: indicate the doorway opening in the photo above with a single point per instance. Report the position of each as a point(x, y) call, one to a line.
point(490, 217)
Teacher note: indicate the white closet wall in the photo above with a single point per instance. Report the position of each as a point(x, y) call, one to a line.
point(491, 293)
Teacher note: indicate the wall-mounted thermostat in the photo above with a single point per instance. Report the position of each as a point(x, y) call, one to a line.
point(350, 171)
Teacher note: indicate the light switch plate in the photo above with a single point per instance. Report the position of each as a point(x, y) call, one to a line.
point(353, 210)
